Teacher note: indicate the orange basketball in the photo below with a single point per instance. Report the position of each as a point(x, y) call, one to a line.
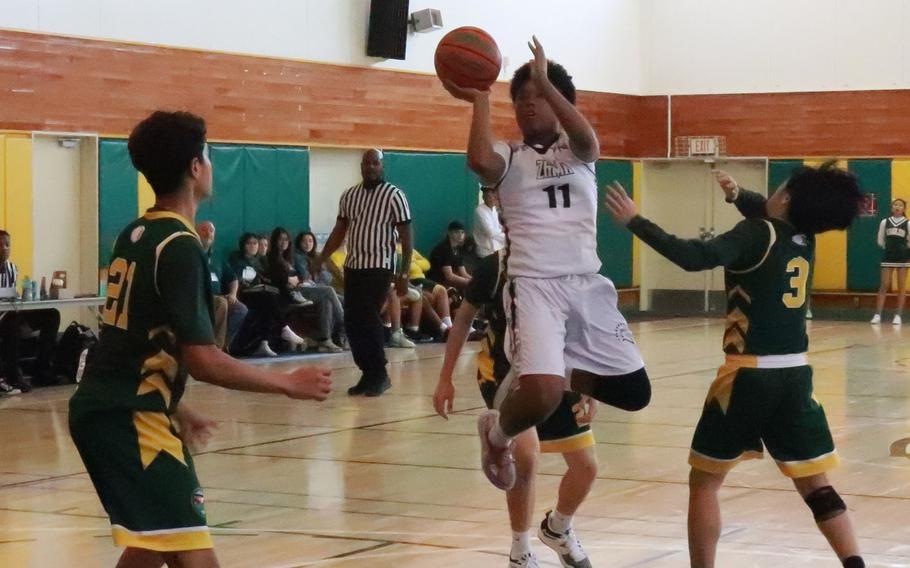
point(469, 57)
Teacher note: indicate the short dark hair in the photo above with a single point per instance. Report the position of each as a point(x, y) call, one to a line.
point(6, 234)
point(456, 226)
point(164, 145)
point(556, 73)
point(823, 199)
point(893, 201)
point(244, 238)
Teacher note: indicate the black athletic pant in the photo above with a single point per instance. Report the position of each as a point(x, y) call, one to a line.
point(263, 321)
point(364, 293)
point(47, 324)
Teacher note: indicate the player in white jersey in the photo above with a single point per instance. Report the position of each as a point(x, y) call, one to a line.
point(563, 313)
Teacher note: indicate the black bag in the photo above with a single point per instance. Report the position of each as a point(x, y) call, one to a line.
point(73, 351)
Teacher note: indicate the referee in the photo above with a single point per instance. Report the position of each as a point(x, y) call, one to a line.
point(371, 214)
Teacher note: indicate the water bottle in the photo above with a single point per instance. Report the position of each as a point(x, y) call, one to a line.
point(26, 289)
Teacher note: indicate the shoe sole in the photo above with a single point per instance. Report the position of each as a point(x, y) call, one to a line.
point(484, 425)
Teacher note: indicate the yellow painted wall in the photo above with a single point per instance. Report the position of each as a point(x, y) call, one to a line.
point(146, 196)
point(16, 188)
point(831, 248)
point(900, 180)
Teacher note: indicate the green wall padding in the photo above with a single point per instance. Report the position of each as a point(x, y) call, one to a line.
point(614, 243)
point(256, 188)
point(863, 255)
point(779, 171)
point(118, 194)
point(439, 187)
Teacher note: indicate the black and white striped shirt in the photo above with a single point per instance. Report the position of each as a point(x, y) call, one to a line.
point(8, 274)
point(372, 215)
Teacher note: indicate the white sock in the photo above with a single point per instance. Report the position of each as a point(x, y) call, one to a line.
point(497, 437)
point(413, 328)
point(521, 543)
point(560, 523)
point(443, 328)
point(447, 321)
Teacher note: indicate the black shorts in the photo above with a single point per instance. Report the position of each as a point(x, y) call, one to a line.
point(561, 432)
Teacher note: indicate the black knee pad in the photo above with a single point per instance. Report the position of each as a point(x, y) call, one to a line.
point(631, 391)
point(825, 504)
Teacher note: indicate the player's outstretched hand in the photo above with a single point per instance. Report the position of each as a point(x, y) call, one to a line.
point(619, 204)
point(464, 93)
point(539, 63)
point(726, 183)
point(309, 383)
point(444, 398)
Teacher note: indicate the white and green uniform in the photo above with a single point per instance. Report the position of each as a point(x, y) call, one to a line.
point(561, 311)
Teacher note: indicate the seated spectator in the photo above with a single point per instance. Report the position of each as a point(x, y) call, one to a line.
point(263, 246)
point(391, 319)
point(305, 244)
point(229, 310)
point(289, 273)
point(15, 324)
point(469, 256)
point(265, 318)
point(436, 313)
point(446, 263)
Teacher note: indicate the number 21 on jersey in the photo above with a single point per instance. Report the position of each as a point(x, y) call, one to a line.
point(798, 270)
point(119, 286)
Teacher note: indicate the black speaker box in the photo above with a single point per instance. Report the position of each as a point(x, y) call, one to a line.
point(388, 33)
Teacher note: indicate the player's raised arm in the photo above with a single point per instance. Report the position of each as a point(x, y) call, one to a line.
point(582, 138)
point(743, 246)
point(749, 203)
point(482, 159)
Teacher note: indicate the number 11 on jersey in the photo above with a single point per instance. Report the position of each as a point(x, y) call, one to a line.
point(551, 193)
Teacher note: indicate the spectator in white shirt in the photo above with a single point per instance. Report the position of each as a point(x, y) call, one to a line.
point(488, 233)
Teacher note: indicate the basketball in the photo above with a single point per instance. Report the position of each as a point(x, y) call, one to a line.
point(469, 57)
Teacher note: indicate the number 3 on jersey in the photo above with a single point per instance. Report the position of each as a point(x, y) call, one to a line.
point(119, 285)
point(799, 269)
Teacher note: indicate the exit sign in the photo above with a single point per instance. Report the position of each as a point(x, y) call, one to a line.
point(702, 146)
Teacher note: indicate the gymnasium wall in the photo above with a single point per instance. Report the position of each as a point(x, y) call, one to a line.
point(67, 84)
point(850, 260)
point(334, 31)
point(760, 46)
point(256, 189)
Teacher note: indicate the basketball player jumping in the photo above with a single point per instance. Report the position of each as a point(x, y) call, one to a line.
point(563, 317)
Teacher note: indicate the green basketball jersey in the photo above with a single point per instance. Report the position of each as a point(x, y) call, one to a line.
point(158, 296)
point(766, 267)
point(766, 303)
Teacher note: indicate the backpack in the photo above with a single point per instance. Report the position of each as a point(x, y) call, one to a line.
point(73, 351)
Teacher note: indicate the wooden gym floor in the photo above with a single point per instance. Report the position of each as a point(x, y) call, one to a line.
point(384, 482)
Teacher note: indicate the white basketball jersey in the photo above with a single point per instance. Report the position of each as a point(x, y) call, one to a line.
point(548, 204)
